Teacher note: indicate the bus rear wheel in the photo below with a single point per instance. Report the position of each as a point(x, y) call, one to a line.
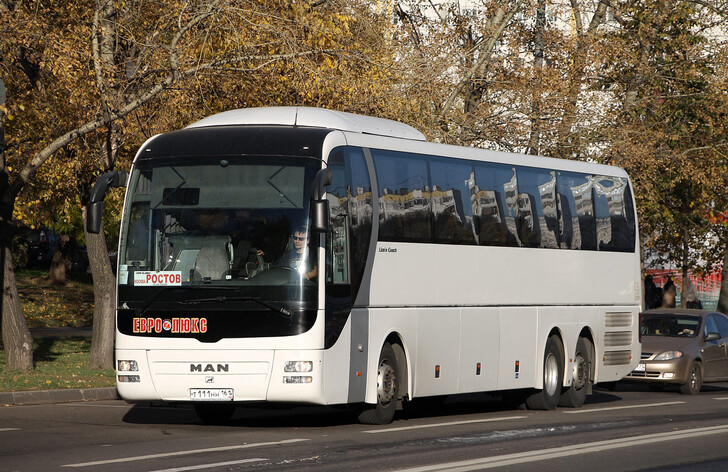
point(553, 374)
point(575, 395)
point(382, 412)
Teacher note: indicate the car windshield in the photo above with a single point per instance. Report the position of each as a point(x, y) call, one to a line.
point(670, 325)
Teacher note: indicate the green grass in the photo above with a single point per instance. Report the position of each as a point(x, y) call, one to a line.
point(59, 362)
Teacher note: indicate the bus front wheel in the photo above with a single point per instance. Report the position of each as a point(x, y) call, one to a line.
point(553, 374)
point(383, 410)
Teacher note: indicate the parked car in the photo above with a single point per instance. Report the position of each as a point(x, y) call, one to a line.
point(682, 347)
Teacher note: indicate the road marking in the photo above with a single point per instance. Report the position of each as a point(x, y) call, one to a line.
point(9, 429)
point(437, 425)
point(564, 451)
point(210, 466)
point(647, 405)
point(720, 398)
point(184, 453)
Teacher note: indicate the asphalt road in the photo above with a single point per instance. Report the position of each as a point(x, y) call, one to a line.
point(631, 428)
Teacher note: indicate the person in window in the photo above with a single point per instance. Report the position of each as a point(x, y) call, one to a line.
point(298, 257)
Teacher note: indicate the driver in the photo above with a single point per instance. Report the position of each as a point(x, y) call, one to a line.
point(298, 257)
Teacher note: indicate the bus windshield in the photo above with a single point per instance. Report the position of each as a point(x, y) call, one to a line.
point(219, 221)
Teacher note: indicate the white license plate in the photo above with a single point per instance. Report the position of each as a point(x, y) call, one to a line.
point(211, 394)
point(640, 368)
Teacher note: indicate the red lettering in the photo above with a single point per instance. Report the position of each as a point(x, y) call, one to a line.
point(149, 277)
point(158, 325)
point(178, 278)
point(195, 328)
point(135, 329)
point(175, 325)
point(185, 328)
point(203, 325)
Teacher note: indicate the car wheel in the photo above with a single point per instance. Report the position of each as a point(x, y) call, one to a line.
point(695, 380)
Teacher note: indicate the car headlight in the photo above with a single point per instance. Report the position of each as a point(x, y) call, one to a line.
point(668, 355)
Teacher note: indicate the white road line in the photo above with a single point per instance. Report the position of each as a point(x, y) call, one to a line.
point(9, 429)
point(646, 405)
point(564, 451)
point(210, 466)
point(437, 425)
point(720, 398)
point(184, 453)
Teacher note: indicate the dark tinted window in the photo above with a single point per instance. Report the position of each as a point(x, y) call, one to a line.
point(576, 198)
point(452, 211)
point(404, 197)
point(537, 208)
point(452, 201)
point(710, 326)
point(350, 211)
point(722, 325)
point(614, 210)
point(495, 203)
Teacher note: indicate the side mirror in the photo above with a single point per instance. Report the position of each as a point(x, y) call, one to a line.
point(712, 337)
point(320, 206)
point(320, 216)
point(95, 207)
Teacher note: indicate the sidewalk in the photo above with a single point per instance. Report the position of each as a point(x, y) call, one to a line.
point(37, 397)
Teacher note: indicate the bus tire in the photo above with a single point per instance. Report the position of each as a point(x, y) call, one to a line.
point(575, 395)
point(553, 374)
point(214, 413)
point(382, 412)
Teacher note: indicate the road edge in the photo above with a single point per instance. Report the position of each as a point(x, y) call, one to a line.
point(37, 397)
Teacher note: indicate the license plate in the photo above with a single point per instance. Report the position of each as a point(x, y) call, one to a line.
point(211, 394)
point(640, 368)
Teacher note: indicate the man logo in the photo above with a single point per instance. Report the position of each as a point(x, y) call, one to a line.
point(209, 368)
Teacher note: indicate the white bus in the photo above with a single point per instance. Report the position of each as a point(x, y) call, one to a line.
point(431, 269)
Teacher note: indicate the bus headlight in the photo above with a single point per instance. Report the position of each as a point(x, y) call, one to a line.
point(298, 366)
point(128, 366)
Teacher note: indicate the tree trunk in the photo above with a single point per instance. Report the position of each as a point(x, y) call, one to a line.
point(723, 297)
point(685, 282)
point(102, 340)
point(61, 262)
point(17, 342)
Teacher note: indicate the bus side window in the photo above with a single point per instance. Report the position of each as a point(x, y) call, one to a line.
point(337, 241)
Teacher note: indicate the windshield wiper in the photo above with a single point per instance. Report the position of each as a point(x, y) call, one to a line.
point(222, 299)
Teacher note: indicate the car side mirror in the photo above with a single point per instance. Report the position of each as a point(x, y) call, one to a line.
point(712, 337)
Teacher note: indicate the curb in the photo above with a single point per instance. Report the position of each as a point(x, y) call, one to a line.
point(39, 397)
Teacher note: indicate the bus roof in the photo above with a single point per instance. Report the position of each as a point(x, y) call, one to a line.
point(312, 117)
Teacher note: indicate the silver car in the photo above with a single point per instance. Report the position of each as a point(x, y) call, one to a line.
point(682, 347)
